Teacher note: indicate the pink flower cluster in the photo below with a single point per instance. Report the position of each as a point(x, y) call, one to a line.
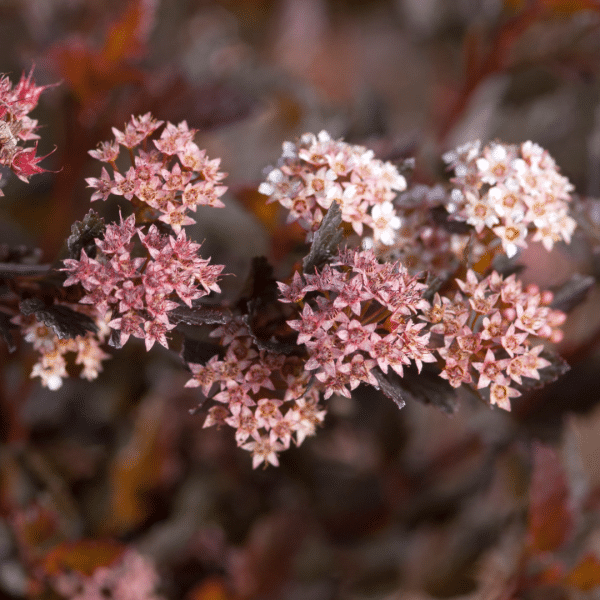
point(265, 397)
point(170, 177)
point(421, 243)
point(317, 170)
point(513, 191)
point(51, 368)
point(356, 315)
point(139, 292)
point(488, 330)
point(17, 127)
point(131, 577)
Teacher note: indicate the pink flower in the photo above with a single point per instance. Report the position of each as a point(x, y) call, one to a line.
point(351, 294)
point(264, 450)
point(156, 332)
point(456, 372)
point(175, 217)
point(125, 186)
point(106, 152)
point(500, 394)
point(103, 186)
point(82, 271)
point(310, 323)
point(244, 421)
point(128, 324)
point(24, 163)
point(491, 370)
point(513, 236)
point(512, 341)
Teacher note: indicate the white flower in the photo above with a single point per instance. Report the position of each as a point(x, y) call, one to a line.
point(479, 213)
point(385, 222)
point(506, 202)
point(512, 235)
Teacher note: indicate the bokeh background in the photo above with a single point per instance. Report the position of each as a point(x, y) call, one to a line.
point(413, 504)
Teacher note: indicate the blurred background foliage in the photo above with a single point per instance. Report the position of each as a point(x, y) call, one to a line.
point(389, 504)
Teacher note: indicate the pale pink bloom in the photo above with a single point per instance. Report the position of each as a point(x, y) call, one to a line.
point(244, 421)
point(385, 223)
point(388, 173)
point(146, 124)
point(479, 213)
point(493, 327)
point(511, 291)
point(235, 393)
point(125, 186)
point(310, 323)
point(156, 331)
point(277, 185)
point(358, 371)
point(82, 271)
point(268, 412)
point(342, 162)
point(491, 370)
point(355, 336)
point(513, 236)
point(334, 384)
point(193, 195)
point(175, 217)
point(530, 318)
point(130, 137)
point(51, 372)
point(351, 294)
point(456, 372)
point(318, 183)
point(282, 430)
point(527, 364)
point(468, 341)
point(382, 350)
point(106, 152)
point(103, 185)
point(324, 353)
point(192, 157)
point(500, 394)
point(217, 415)
point(495, 164)
point(204, 376)
point(175, 179)
point(259, 375)
point(306, 416)
point(506, 203)
point(483, 304)
point(512, 341)
point(471, 285)
point(148, 191)
point(174, 138)
point(264, 450)
point(131, 296)
point(295, 291)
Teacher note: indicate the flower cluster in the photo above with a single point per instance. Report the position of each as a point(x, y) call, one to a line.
point(356, 315)
point(422, 243)
point(265, 397)
point(131, 577)
point(317, 171)
point(511, 190)
point(488, 330)
point(17, 127)
point(170, 178)
point(51, 368)
point(139, 292)
point(360, 313)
